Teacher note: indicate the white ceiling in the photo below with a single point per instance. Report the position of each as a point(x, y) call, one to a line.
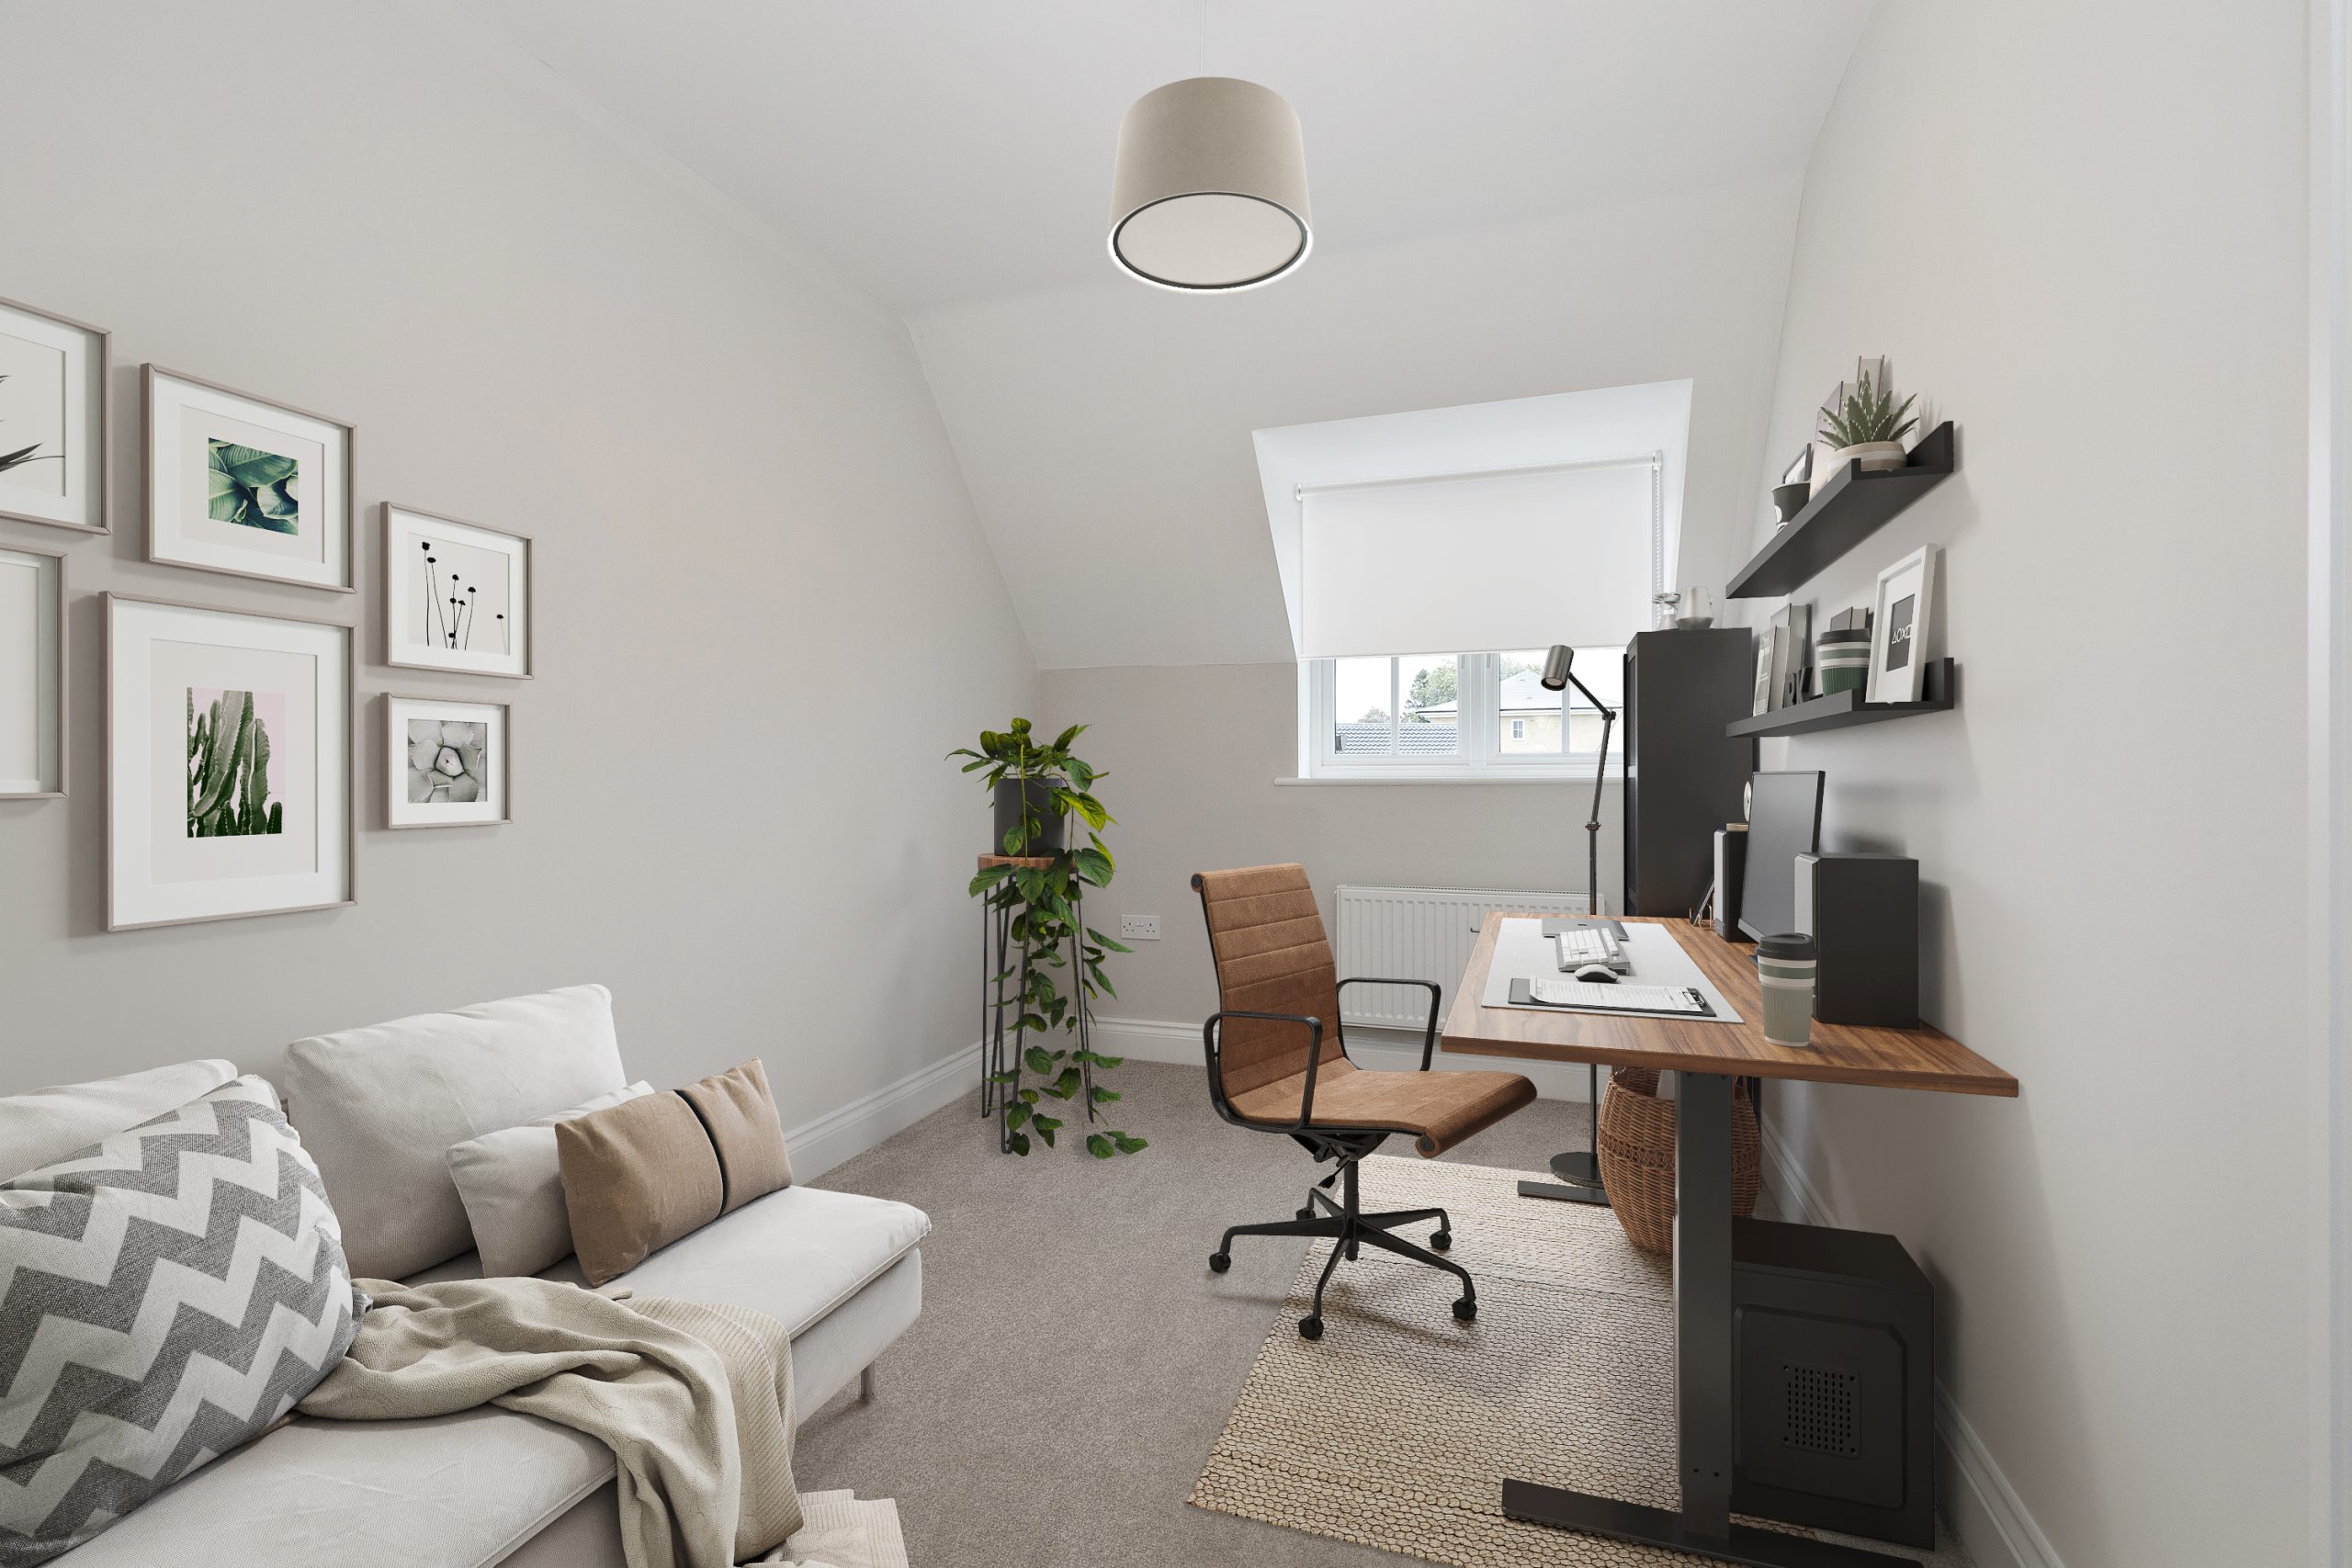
point(947, 151)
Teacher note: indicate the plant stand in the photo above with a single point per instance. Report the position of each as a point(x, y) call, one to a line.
point(999, 989)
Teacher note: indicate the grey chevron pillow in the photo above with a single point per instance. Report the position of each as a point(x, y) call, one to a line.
point(164, 1294)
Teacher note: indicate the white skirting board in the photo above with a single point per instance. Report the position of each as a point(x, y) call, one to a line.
point(817, 1146)
point(1978, 1502)
point(1153, 1040)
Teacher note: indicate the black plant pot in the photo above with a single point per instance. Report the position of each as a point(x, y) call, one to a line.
point(1041, 802)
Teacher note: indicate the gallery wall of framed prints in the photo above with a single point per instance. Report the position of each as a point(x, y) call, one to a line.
point(53, 374)
point(238, 484)
point(231, 734)
point(33, 691)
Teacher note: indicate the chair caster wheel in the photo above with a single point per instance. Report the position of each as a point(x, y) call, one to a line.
point(1307, 1212)
point(1443, 1240)
point(1466, 1309)
point(1219, 1262)
point(1310, 1328)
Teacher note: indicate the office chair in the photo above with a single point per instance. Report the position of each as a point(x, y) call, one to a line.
point(1277, 1063)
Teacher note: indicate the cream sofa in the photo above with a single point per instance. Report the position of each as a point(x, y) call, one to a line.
point(376, 1109)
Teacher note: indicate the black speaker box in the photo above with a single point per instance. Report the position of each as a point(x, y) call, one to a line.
point(1833, 1336)
point(1730, 878)
point(1863, 911)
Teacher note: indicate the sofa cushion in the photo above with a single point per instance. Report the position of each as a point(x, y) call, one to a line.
point(637, 1176)
point(164, 1295)
point(795, 1254)
point(739, 1115)
point(379, 1107)
point(511, 1183)
point(47, 1125)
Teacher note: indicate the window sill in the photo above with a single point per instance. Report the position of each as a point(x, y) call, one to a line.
point(1582, 777)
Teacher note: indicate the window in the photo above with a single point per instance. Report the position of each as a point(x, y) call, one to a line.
point(1456, 716)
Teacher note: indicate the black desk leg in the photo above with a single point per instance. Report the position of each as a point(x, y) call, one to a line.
point(1703, 1376)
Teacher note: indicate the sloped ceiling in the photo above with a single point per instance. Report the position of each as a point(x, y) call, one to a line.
point(1511, 196)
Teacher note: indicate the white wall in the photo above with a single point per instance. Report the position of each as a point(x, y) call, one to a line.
point(2080, 228)
point(1105, 431)
point(750, 527)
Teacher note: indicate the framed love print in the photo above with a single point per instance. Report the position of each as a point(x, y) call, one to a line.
point(457, 596)
point(54, 418)
point(447, 762)
point(1902, 621)
point(32, 673)
point(238, 484)
point(228, 764)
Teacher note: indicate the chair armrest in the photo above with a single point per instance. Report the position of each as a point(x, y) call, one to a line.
point(1212, 1041)
point(1429, 1035)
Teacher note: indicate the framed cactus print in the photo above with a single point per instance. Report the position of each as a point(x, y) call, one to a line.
point(457, 596)
point(238, 484)
point(53, 419)
point(230, 764)
point(446, 762)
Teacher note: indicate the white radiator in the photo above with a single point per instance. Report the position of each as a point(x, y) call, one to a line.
point(1419, 933)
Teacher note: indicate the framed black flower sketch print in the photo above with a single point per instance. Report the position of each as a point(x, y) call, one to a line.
point(457, 596)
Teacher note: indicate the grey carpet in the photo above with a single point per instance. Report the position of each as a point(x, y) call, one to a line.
point(1076, 1359)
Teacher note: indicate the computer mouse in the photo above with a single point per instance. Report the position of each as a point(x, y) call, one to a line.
point(1598, 974)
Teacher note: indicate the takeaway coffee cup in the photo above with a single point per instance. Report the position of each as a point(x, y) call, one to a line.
point(1784, 967)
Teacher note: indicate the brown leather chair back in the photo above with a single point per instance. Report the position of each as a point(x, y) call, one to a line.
point(1271, 957)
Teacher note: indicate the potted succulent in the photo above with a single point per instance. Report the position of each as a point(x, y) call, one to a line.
point(1869, 424)
point(1042, 900)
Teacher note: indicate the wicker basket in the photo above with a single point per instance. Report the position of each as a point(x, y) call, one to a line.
point(1638, 1156)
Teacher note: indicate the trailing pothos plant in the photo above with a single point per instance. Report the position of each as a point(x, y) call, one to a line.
point(1042, 904)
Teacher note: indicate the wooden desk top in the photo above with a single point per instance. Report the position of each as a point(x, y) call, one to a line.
point(1840, 1053)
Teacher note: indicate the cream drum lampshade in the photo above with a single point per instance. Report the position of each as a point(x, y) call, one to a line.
point(1211, 189)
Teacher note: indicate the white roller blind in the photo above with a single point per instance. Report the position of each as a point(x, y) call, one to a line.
point(1502, 561)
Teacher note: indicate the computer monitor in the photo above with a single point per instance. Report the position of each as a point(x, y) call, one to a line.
point(1783, 822)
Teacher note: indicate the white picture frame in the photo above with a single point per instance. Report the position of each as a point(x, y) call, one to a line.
point(1903, 627)
point(33, 686)
point(173, 669)
point(435, 615)
point(238, 484)
point(53, 376)
point(446, 779)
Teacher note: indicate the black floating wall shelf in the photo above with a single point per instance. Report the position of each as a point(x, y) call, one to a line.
point(1851, 507)
point(1841, 708)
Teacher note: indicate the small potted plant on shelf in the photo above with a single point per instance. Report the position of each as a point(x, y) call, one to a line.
point(1866, 422)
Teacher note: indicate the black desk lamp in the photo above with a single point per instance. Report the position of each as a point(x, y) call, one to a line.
point(1581, 1172)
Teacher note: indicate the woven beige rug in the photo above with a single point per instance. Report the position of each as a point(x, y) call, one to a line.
point(1394, 1429)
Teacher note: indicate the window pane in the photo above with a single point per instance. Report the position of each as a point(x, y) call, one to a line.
point(1602, 668)
point(1360, 725)
point(1531, 716)
point(1431, 714)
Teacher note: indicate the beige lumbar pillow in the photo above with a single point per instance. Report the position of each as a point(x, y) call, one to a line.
point(512, 1182)
point(637, 1177)
point(739, 1115)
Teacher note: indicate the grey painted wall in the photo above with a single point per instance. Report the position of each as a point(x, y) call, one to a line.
point(765, 609)
point(2081, 230)
point(1186, 802)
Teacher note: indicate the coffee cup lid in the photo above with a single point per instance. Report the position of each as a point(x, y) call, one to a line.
point(1787, 944)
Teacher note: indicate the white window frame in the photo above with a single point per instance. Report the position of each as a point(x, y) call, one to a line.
point(1479, 730)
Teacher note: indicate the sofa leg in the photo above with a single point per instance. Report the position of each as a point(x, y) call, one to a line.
point(866, 1385)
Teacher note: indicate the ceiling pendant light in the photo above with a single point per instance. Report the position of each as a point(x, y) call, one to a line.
point(1210, 193)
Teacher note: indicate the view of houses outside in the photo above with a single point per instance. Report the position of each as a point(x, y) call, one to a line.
point(1529, 722)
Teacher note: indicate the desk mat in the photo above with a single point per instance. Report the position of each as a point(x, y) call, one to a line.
point(1522, 950)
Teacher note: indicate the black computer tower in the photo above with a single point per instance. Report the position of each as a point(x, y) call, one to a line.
point(1683, 774)
point(1833, 1351)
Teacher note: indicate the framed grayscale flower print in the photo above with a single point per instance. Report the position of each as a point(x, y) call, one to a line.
point(447, 762)
point(52, 419)
point(228, 764)
point(457, 596)
point(32, 672)
point(238, 484)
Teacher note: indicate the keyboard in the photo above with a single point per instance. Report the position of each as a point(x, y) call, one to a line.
point(1580, 945)
point(1619, 998)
